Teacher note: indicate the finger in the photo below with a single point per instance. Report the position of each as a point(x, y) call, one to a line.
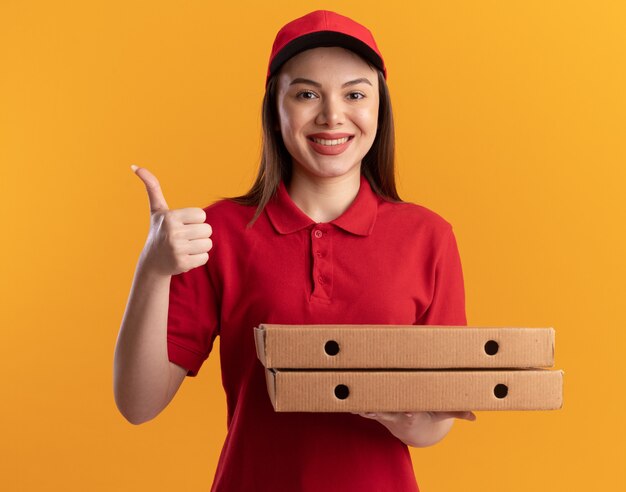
point(458, 415)
point(199, 246)
point(155, 195)
point(389, 416)
point(196, 231)
point(464, 415)
point(191, 215)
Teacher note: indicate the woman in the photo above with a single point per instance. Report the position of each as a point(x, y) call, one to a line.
point(321, 238)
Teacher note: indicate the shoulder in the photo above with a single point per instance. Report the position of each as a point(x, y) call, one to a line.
point(229, 232)
point(413, 217)
point(227, 212)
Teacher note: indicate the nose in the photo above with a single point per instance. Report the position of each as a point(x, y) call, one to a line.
point(331, 112)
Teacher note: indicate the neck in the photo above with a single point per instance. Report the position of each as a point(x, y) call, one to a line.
point(324, 199)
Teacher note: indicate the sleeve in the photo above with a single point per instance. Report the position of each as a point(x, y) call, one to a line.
point(448, 303)
point(193, 317)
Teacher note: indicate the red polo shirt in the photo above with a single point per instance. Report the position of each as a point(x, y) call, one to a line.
point(378, 263)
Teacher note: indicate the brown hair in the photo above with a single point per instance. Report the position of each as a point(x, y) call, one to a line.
point(378, 165)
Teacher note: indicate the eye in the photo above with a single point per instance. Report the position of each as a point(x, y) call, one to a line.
point(362, 96)
point(304, 92)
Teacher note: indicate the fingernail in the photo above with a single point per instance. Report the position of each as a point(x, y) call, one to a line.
point(133, 167)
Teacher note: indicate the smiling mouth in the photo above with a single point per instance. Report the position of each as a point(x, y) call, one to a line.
point(330, 143)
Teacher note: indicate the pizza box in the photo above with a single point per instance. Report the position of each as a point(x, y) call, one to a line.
point(414, 390)
point(402, 346)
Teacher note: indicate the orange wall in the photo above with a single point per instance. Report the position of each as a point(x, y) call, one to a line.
point(510, 123)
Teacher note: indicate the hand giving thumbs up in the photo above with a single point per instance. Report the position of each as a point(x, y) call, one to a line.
point(180, 239)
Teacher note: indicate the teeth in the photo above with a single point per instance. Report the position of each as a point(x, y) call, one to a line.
point(331, 142)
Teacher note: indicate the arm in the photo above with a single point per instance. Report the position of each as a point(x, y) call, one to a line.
point(145, 375)
point(144, 380)
point(447, 307)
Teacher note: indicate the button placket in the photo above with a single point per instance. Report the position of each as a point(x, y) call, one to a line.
point(321, 264)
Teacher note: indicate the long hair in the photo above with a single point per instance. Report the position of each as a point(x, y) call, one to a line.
point(378, 165)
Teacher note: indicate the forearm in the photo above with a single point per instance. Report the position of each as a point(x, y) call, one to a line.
point(141, 365)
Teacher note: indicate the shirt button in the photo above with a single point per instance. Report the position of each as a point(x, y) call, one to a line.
point(318, 233)
point(319, 254)
point(321, 279)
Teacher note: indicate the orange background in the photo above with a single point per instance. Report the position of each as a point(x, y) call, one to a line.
point(510, 122)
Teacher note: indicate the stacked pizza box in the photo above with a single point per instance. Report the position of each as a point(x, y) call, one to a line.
point(393, 368)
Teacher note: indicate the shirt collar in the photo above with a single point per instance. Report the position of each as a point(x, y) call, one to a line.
point(358, 219)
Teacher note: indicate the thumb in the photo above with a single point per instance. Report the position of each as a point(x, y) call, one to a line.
point(155, 195)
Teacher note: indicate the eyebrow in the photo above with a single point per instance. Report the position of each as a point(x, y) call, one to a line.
point(301, 80)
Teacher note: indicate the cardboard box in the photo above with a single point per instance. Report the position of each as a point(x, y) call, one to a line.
point(404, 391)
point(404, 347)
point(389, 368)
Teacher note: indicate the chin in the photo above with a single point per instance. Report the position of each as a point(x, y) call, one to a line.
point(329, 173)
point(329, 168)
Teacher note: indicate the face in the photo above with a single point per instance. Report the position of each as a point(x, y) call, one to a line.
point(328, 110)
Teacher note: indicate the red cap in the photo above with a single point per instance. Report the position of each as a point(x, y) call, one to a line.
point(323, 28)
